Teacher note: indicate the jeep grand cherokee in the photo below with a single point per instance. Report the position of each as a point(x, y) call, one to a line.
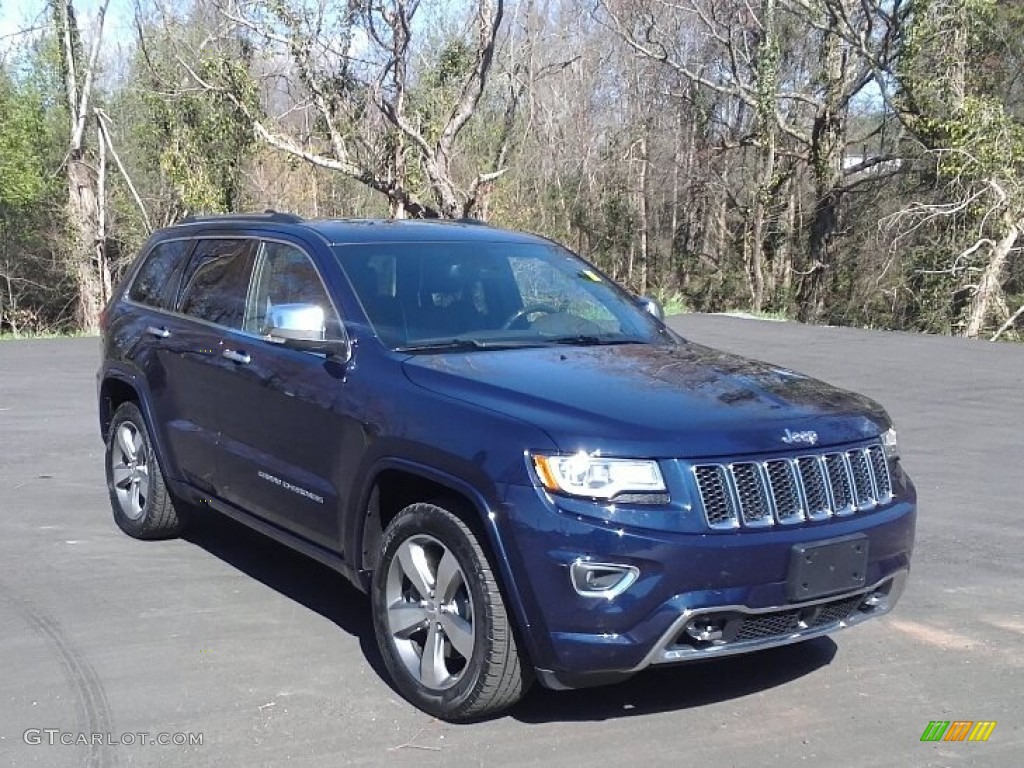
point(530, 474)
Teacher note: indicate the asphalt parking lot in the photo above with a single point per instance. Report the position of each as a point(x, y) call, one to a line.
point(271, 658)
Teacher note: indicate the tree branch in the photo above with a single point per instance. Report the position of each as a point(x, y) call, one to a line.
point(82, 108)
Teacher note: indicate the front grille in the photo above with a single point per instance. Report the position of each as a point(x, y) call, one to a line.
point(756, 494)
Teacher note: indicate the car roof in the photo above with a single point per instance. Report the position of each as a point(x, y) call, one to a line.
point(351, 231)
point(337, 231)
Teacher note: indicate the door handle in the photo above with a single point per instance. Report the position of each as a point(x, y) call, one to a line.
point(242, 358)
point(160, 333)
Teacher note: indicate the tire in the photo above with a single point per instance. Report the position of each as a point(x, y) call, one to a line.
point(143, 507)
point(434, 589)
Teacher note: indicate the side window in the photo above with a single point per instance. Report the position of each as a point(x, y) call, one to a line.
point(286, 275)
point(156, 281)
point(217, 281)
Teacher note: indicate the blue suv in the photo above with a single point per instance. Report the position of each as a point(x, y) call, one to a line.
point(529, 473)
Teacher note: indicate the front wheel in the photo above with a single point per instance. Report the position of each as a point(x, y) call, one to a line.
point(440, 620)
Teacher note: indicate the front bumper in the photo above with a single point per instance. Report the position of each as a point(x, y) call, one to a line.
point(731, 584)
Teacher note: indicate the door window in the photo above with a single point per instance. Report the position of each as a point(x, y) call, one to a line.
point(157, 279)
point(286, 275)
point(217, 281)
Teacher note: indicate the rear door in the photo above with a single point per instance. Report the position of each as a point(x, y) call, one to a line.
point(199, 372)
point(153, 337)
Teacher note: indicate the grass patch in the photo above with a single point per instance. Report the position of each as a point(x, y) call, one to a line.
point(776, 315)
point(20, 336)
point(673, 302)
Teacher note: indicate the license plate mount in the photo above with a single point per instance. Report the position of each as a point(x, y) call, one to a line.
point(828, 567)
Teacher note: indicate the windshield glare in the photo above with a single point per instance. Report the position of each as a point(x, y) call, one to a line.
point(490, 294)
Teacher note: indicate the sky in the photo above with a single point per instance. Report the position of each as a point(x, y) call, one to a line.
point(20, 17)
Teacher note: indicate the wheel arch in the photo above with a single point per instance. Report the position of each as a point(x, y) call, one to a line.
point(117, 387)
point(115, 390)
point(395, 483)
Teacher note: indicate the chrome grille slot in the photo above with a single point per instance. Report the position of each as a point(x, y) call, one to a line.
point(880, 473)
point(719, 508)
point(757, 494)
point(864, 492)
point(812, 476)
point(782, 479)
point(752, 494)
point(839, 483)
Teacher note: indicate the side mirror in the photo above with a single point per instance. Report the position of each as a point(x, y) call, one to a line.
point(302, 327)
point(653, 306)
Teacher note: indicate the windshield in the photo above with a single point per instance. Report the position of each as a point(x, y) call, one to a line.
point(473, 295)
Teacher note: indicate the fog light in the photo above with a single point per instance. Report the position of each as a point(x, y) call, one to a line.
point(874, 600)
point(704, 631)
point(605, 580)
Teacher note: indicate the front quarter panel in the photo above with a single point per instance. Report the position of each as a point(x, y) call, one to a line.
point(471, 450)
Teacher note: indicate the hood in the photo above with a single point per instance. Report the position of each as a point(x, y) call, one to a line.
point(683, 400)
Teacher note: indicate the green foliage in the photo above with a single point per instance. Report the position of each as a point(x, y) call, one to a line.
point(944, 83)
point(673, 302)
point(434, 98)
point(610, 223)
point(977, 139)
point(453, 66)
point(23, 175)
point(198, 141)
point(33, 124)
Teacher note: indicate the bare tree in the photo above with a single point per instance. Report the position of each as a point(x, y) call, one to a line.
point(977, 144)
point(761, 63)
point(351, 68)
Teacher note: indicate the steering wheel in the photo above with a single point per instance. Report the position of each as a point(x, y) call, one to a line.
point(529, 309)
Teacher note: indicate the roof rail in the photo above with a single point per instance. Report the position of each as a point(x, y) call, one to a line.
point(267, 215)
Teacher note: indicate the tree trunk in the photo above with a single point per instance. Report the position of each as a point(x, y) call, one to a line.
point(990, 286)
point(767, 98)
point(644, 217)
point(814, 280)
point(826, 159)
point(756, 252)
point(88, 265)
point(88, 262)
point(783, 262)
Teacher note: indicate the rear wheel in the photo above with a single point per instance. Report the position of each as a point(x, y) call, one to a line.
point(440, 619)
point(142, 505)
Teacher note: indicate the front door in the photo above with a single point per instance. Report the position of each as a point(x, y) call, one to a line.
point(287, 430)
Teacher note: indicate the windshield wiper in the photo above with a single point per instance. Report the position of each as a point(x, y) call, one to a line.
point(450, 345)
point(585, 340)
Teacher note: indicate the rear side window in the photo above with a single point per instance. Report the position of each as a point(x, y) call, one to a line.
point(217, 281)
point(156, 281)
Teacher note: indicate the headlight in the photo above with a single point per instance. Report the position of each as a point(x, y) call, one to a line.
point(596, 477)
point(889, 444)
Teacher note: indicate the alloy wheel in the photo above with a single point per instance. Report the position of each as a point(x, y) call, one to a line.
point(130, 470)
point(429, 612)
